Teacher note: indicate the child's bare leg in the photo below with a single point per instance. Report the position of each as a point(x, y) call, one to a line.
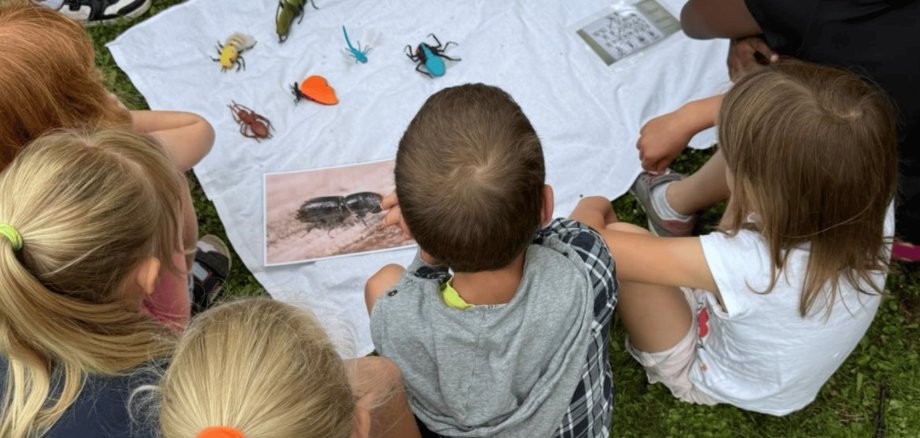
point(384, 279)
point(378, 386)
point(704, 188)
point(656, 317)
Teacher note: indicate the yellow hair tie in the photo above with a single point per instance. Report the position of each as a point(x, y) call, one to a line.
point(12, 235)
point(220, 432)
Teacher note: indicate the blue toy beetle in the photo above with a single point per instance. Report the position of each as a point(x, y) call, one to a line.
point(430, 56)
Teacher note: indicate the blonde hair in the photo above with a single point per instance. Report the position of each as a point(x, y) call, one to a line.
point(260, 366)
point(813, 152)
point(90, 208)
point(48, 78)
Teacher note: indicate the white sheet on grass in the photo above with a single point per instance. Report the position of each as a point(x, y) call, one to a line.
point(588, 115)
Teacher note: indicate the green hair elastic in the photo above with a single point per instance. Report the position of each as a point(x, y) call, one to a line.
point(12, 235)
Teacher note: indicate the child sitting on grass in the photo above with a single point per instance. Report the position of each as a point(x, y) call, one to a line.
point(261, 368)
point(500, 326)
point(49, 80)
point(87, 224)
point(762, 312)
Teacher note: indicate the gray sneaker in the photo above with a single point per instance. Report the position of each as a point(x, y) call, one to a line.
point(642, 190)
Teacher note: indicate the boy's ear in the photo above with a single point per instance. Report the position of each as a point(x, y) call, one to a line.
point(146, 274)
point(362, 422)
point(548, 205)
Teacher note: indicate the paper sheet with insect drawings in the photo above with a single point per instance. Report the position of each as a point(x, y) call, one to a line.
point(625, 29)
point(586, 113)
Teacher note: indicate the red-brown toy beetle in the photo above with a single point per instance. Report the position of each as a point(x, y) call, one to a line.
point(252, 125)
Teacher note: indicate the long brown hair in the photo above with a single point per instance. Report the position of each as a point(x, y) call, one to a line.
point(813, 152)
point(48, 79)
point(90, 209)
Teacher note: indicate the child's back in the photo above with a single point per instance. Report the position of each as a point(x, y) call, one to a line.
point(514, 343)
point(760, 353)
point(87, 221)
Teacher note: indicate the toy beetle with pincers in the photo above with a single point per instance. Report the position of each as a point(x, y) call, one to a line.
point(287, 11)
point(430, 56)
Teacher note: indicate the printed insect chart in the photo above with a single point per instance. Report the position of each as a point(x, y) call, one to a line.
point(622, 30)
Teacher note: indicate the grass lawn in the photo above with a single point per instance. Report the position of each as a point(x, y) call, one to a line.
point(875, 393)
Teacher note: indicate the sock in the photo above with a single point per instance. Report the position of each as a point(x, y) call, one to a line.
point(660, 204)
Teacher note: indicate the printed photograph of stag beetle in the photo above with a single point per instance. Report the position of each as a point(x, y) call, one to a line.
point(331, 212)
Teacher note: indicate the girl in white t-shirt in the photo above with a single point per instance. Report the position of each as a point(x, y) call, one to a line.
point(762, 312)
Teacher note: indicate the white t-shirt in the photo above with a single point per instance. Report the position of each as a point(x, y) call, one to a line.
point(759, 353)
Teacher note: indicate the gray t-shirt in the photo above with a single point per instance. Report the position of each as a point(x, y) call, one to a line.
point(514, 369)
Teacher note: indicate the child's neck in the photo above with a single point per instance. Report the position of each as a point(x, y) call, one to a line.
point(490, 287)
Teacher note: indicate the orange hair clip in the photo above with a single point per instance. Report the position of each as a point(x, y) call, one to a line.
point(220, 432)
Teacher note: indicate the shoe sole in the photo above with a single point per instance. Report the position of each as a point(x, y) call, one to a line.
point(127, 17)
point(221, 247)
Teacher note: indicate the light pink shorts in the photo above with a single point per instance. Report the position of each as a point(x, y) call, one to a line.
point(672, 366)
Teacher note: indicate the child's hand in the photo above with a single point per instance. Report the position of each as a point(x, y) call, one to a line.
point(662, 139)
point(394, 215)
point(748, 54)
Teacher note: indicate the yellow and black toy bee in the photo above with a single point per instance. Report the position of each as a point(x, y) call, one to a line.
point(230, 51)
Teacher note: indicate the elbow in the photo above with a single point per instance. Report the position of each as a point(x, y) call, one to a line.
point(690, 22)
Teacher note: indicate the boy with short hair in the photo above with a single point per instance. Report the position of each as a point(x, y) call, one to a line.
point(506, 334)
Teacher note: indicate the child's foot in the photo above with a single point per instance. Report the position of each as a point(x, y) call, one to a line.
point(650, 190)
point(209, 272)
point(94, 12)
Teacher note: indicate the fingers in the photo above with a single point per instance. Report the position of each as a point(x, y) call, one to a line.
point(394, 217)
point(389, 201)
point(760, 46)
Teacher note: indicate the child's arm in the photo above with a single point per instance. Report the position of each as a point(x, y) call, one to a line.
point(705, 19)
point(187, 137)
point(662, 138)
point(641, 257)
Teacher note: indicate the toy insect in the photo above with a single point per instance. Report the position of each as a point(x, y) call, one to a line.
point(430, 56)
point(314, 88)
point(358, 54)
point(230, 52)
point(328, 212)
point(252, 124)
point(287, 11)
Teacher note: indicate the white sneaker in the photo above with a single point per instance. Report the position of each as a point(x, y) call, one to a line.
point(95, 12)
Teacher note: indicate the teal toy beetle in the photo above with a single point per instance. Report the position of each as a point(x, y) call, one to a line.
point(430, 56)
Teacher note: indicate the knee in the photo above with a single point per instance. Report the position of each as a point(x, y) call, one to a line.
point(627, 228)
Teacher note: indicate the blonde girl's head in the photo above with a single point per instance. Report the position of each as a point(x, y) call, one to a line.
point(263, 368)
point(48, 78)
point(96, 214)
point(813, 152)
